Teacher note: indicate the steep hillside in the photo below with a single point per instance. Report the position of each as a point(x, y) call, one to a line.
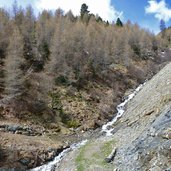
point(61, 78)
point(142, 137)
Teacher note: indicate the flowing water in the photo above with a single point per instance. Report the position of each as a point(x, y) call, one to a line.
point(120, 111)
point(107, 129)
point(53, 164)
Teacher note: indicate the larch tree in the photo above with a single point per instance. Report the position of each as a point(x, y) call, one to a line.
point(58, 14)
point(5, 32)
point(70, 16)
point(15, 78)
point(28, 32)
point(56, 63)
point(44, 32)
point(14, 62)
point(145, 46)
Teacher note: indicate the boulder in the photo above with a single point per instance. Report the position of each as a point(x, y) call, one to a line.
point(110, 158)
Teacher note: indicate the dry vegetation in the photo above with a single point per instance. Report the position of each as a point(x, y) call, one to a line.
point(43, 57)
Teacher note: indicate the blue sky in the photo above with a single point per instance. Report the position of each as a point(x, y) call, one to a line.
point(135, 11)
point(147, 13)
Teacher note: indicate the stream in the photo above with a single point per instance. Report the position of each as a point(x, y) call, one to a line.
point(107, 129)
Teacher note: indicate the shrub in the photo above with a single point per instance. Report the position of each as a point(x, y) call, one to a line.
point(61, 80)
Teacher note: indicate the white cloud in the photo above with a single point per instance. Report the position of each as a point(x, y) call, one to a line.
point(159, 9)
point(101, 7)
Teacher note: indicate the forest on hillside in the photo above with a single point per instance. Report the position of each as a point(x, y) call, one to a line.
point(39, 54)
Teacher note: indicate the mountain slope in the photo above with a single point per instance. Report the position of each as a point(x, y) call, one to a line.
point(142, 136)
point(147, 124)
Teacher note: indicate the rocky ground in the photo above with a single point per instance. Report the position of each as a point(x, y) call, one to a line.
point(142, 136)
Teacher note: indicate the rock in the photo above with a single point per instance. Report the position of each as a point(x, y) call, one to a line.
point(2, 129)
point(13, 128)
point(18, 132)
point(17, 129)
point(110, 158)
point(167, 134)
point(149, 112)
point(37, 134)
point(51, 155)
point(25, 161)
point(146, 149)
point(156, 168)
point(31, 164)
point(99, 123)
point(3, 126)
point(26, 133)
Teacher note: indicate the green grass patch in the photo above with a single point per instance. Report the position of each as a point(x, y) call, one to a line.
point(73, 124)
point(93, 154)
point(107, 148)
point(80, 160)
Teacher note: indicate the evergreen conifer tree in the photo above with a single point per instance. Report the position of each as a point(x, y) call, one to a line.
point(84, 10)
point(119, 22)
